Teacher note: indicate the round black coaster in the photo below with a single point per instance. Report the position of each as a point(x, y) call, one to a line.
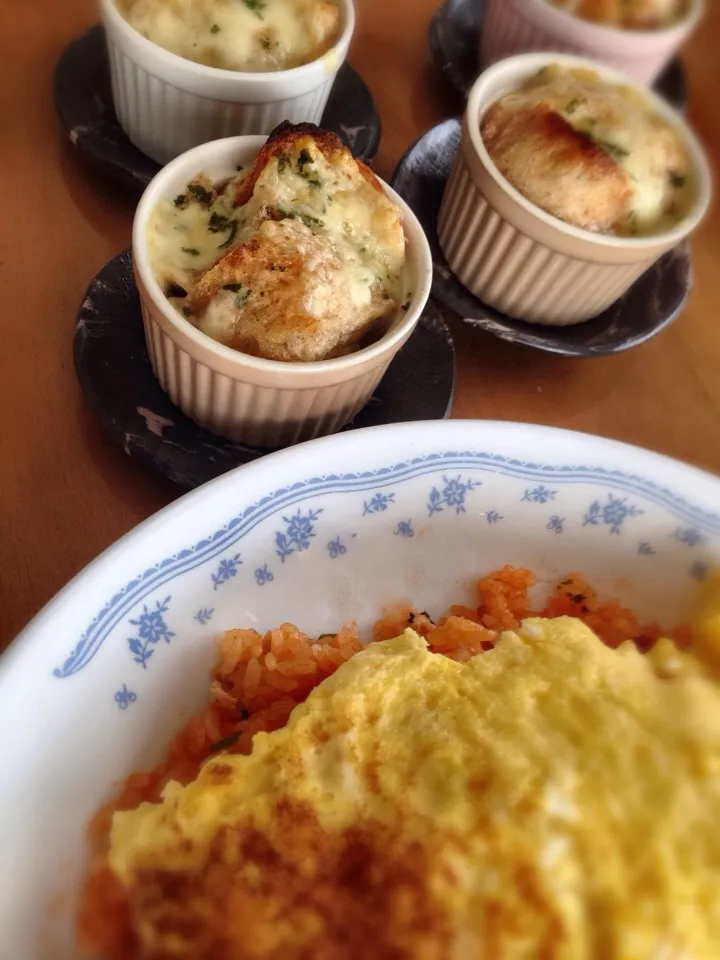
point(83, 100)
point(454, 35)
point(115, 375)
point(651, 303)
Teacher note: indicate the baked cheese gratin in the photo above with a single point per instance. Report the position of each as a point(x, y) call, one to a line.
point(243, 35)
point(630, 14)
point(592, 153)
point(298, 259)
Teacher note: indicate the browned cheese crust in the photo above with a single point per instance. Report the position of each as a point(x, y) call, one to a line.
point(274, 265)
point(286, 288)
point(286, 137)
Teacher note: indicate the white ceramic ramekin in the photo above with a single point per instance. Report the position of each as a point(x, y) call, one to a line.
point(524, 26)
point(523, 261)
point(249, 399)
point(166, 104)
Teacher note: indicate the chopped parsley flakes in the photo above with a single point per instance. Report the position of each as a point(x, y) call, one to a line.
point(200, 193)
point(218, 223)
point(677, 180)
point(180, 200)
point(616, 152)
point(230, 236)
point(304, 157)
point(257, 6)
point(192, 251)
point(215, 28)
point(311, 222)
point(573, 104)
point(242, 292)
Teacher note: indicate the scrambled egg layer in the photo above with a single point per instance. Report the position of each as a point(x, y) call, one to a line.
point(549, 798)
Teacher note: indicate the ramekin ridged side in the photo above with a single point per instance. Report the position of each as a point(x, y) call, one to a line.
point(249, 399)
point(167, 105)
point(521, 276)
point(164, 121)
point(519, 259)
point(248, 412)
point(524, 26)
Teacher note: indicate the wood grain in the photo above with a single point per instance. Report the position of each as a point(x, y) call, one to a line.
point(66, 493)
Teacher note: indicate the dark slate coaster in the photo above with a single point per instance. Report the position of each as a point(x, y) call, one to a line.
point(454, 35)
point(83, 100)
point(116, 377)
point(650, 305)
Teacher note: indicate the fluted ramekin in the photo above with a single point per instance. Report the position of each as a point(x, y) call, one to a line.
point(249, 399)
point(167, 104)
point(523, 261)
point(524, 26)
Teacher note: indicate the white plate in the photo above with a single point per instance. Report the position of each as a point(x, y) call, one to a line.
point(317, 534)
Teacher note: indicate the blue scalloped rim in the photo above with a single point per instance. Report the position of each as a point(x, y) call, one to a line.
point(208, 548)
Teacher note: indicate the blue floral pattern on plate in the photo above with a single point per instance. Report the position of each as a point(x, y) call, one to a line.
point(290, 518)
point(404, 529)
point(336, 548)
point(124, 697)
point(613, 514)
point(539, 494)
point(300, 530)
point(226, 571)
point(263, 575)
point(204, 615)
point(452, 494)
point(151, 629)
point(689, 536)
point(378, 504)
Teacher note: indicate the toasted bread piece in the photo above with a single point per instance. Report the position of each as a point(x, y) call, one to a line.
point(556, 167)
point(291, 138)
point(295, 260)
point(593, 153)
point(284, 295)
point(321, 253)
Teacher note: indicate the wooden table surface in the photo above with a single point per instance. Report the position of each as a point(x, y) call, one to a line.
point(66, 493)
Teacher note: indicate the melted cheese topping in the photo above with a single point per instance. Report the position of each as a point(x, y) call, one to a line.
point(348, 234)
point(551, 797)
point(618, 119)
point(248, 35)
point(181, 243)
point(631, 14)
